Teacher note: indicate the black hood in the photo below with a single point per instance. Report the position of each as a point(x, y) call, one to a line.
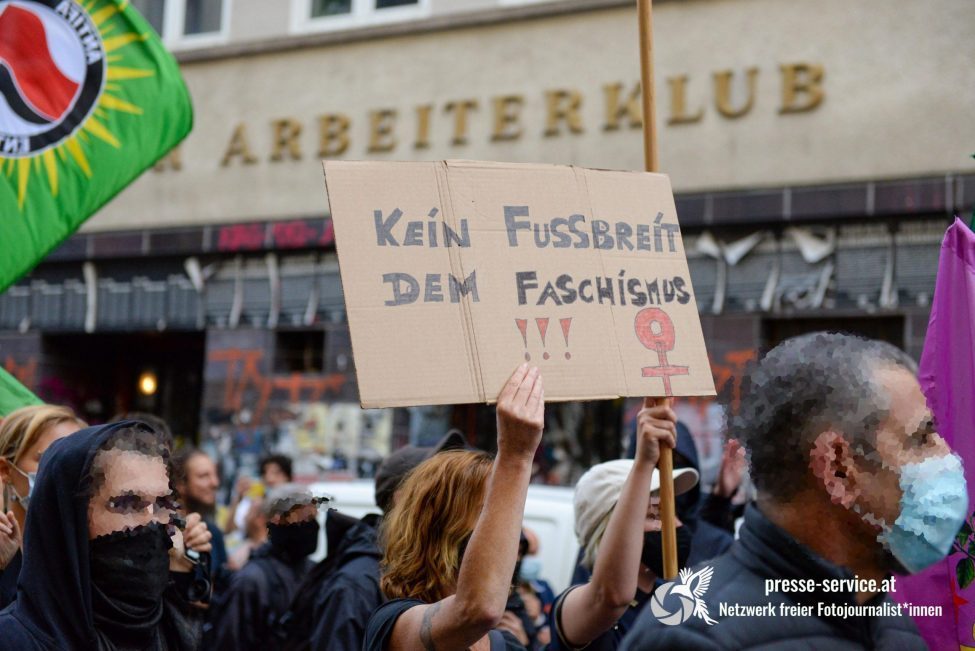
point(687, 504)
point(54, 589)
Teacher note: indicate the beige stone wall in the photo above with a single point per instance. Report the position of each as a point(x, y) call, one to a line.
point(898, 89)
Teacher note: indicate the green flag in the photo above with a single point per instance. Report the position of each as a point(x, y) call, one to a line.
point(89, 99)
point(13, 394)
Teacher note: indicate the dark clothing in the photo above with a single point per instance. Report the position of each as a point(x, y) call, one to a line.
point(8, 580)
point(349, 594)
point(764, 551)
point(381, 624)
point(608, 641)
point(720, 512)
point(218, 555)
point(53, 609)
point(245, 615)
point(218, 558)
point(707, 542)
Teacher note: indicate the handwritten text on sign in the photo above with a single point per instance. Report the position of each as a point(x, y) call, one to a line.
point(445, 265)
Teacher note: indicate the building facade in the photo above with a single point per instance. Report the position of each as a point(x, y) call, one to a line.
point(817, 149)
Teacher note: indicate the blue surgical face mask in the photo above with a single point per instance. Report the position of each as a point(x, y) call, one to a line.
point(15, 496)
point(531, 569)
point(934, 505)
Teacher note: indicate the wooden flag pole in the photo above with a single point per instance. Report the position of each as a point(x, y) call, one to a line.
point(665, 465)
point(645, 11)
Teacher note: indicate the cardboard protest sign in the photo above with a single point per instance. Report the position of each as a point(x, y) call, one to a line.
point(454, 272)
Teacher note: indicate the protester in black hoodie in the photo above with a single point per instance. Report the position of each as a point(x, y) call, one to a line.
point(707, 540)
point(331, 608)
point(103, 567)
point(246, 615)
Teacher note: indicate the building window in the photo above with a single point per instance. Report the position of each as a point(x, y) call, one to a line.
point(324, 15)
point(202, 17)
point(153, 11)
point(321, 8)
point(187, 23)
point(299, 351)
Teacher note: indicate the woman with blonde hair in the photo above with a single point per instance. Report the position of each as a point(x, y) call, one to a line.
point(451, 540)
point(24, 436)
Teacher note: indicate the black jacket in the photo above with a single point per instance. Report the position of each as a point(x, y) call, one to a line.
point(53, 609)
point(350, 592)
point(245, 615)
point(764, 551)
point(8, 580)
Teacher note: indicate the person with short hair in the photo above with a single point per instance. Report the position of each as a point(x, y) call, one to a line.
point(853, 484)
point(106, 566)
point(25, 434)
point(196, 480)
point(452, 538)
point(246, 615)
point(276, 469)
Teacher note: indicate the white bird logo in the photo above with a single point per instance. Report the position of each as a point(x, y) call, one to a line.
point(694, 585)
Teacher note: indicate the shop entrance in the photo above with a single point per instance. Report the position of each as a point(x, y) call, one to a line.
point(102, 375)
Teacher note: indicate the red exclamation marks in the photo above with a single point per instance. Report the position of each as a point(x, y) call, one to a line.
point(566, 324)
point(542, 330)
point(523, 328)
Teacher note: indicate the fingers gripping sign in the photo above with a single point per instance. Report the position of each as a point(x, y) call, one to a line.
point(656, 426)
point(521, 413)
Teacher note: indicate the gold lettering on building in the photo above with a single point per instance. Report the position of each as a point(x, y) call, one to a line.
point(802, 87)
point(174, 160)
point(285, 139)
point(735, 95)
point(239, 146)
point(617, 110)
point(333, 135)
point(723, 82)
point(678, 102)
point(423, 126)
point(562, 106)
point(507, 112)
point(460, 109)
point(381, 137)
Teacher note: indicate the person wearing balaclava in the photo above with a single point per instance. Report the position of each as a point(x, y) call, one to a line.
point(853, 485)
point(105, 566)
point(618, 524)
point(258, 594)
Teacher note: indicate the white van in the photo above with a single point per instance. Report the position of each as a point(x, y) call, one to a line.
point(548, 512)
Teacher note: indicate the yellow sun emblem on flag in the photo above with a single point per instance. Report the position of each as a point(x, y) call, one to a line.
point(63, 73)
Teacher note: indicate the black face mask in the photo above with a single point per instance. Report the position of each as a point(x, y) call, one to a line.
point(129, 573)
point(294, 541)
point(653, 552)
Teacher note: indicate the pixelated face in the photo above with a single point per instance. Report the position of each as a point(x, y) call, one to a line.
point(652, 522)
point(134, 491)
point(202, 480)
point(906, 436)
point(273, 475)
point(303, 513)
point(31, 459)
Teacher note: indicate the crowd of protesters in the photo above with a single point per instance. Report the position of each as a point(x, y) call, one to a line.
point(109, 537)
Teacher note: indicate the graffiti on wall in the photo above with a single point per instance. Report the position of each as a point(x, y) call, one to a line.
point(25, 371)
point(305, 415)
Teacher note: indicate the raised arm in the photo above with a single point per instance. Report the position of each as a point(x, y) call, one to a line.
point(592, 609)
point(477, 606)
